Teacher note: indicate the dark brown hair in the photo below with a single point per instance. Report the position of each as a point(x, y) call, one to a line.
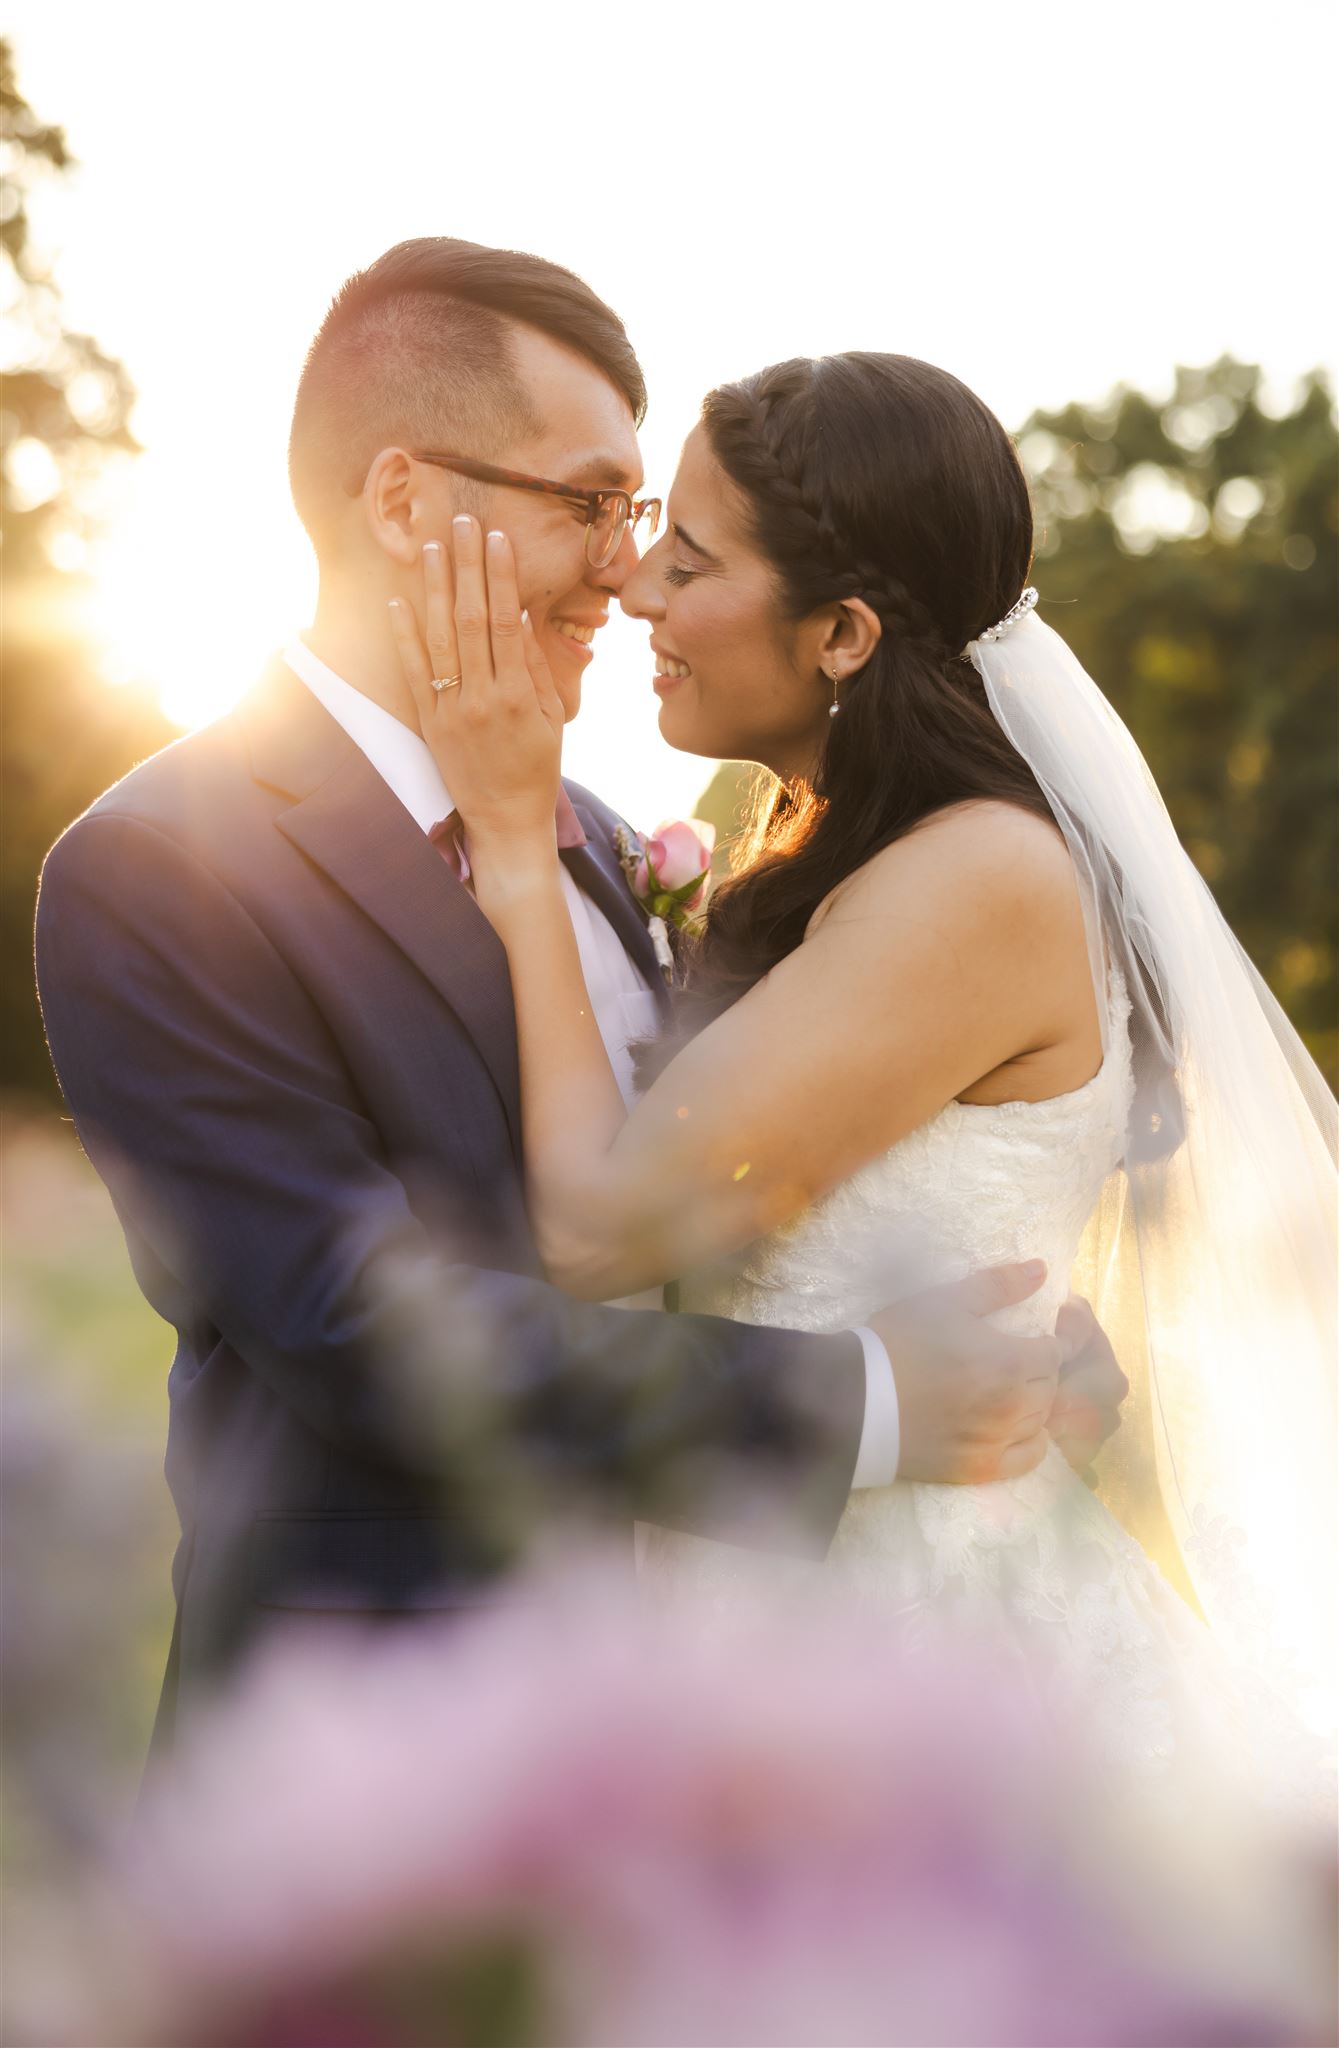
point(417, 349)
point(879, 477)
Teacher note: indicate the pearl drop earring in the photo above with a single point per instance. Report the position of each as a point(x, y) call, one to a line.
point(834, 707)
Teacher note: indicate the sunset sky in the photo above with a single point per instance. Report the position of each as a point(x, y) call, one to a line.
point(1043, 200)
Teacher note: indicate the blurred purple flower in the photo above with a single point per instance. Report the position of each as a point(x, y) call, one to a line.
point(578, 1820)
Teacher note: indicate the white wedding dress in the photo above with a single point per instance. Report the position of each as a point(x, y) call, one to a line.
point(1036, 1569)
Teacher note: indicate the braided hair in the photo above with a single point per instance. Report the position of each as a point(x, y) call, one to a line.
point(879, 477)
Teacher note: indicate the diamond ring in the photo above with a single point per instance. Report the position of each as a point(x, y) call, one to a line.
point(440, 683)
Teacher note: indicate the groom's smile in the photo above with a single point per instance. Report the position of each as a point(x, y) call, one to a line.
point(569, 645)
point(583, 635)
point(579, 635)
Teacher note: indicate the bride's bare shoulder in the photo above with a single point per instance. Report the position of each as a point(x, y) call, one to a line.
point(968, 865)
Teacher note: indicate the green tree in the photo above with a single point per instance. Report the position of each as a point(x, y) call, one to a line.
point(1189, 553)
point(64, 417)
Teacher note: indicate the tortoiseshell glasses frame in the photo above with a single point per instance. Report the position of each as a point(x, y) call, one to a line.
point(608, 512)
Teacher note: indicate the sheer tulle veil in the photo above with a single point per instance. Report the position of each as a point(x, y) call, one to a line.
point(1212, 1258)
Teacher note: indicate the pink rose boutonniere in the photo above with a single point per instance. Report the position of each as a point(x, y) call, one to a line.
point(669, 875)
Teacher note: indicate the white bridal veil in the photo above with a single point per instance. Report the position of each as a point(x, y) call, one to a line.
point(1212, 1259)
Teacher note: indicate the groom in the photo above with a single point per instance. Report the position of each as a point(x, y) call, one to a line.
point(285, 1032)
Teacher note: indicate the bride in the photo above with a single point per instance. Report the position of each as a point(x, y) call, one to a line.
point(966, 1001)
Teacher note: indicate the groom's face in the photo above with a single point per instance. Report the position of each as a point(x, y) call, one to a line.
point(585, 437)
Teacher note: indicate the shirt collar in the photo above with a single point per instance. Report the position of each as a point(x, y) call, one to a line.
point(402, 758)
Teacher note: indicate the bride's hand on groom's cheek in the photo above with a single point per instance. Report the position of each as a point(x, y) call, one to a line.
point(486, 701)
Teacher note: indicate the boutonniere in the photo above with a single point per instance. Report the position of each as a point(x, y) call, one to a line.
point(669, 874)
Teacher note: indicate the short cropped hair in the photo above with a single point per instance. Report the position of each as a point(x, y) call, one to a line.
point(417, 350)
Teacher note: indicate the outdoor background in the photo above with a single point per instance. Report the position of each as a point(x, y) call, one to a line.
point(1109, 221)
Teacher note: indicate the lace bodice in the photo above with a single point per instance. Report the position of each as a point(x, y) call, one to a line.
point(979, 1185)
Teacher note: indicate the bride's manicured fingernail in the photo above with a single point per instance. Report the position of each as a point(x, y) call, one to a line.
point(525, 618)
point(461, 525)
point(432, 547)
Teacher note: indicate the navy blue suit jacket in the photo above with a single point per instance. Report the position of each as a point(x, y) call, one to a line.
point(285, 1034)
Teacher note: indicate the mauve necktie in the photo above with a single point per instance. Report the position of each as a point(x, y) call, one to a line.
point(448, 835)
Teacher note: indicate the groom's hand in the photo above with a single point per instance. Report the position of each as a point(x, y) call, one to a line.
point(1091, 1387)
point(973, 1402)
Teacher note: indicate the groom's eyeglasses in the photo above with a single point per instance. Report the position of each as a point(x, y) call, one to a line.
point(608, 513)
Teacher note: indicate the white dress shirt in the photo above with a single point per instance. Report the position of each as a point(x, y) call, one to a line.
point(625, 1008)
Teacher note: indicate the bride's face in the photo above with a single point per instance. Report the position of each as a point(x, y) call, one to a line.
point(736, 680)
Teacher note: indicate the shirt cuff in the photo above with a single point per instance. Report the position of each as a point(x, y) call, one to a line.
point(880, 1436)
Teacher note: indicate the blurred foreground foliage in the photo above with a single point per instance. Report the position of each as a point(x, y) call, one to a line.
point(771, 1825)
point(88, 1524)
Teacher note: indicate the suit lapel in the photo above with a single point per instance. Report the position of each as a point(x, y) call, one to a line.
point(594, 868)
point(345, 819)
